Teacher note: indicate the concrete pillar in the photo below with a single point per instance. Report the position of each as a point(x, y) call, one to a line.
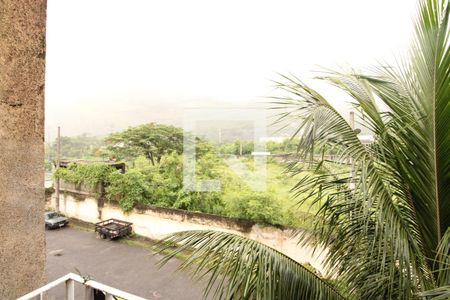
point(22, 236)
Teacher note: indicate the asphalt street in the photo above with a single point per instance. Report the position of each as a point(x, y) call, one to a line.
point(130, 268)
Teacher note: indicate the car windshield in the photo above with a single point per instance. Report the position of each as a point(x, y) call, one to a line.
point(51, 215)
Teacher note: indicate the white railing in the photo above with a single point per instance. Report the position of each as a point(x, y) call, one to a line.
point(88, 285)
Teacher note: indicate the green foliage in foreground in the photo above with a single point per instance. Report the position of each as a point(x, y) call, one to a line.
point(254, 271)
point(387, 228)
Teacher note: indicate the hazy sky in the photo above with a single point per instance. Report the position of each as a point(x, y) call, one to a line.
point(114, 63)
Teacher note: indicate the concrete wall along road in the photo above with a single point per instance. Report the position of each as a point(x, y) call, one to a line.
point(156, 222)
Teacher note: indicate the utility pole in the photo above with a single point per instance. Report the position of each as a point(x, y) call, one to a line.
point(58, 162)
point(240, 147)
point(220, 140)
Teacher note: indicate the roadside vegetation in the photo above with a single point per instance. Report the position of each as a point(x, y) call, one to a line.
point(154, 175)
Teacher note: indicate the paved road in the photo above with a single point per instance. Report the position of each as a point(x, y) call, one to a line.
point(119, 265)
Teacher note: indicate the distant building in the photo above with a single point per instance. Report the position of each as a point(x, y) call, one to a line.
point(366, 139)
point(117, 165)
point(256, 153)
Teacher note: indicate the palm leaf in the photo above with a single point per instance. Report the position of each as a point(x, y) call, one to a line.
point(440, 293)
point(241, 268)
point(384, 224)
point(380, 236)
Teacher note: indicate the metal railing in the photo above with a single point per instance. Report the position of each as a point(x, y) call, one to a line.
point(88, 285)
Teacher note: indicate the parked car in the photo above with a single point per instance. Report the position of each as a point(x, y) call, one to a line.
point(55, 220)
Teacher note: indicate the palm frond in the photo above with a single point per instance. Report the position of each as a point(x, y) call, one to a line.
point(363, 217)
point(383, 224)
point(442, 260)
point(440, 293)
point(241, 268)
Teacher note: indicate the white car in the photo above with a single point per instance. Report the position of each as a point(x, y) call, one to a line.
point(55, 220)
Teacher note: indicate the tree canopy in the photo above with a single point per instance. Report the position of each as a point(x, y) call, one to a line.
point(150, 140)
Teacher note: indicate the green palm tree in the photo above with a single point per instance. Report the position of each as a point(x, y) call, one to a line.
point(386, 226)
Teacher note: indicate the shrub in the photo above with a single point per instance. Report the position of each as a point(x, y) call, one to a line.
point(162, 185)
point(90, 174)
point(257, 206)
point(130, 189)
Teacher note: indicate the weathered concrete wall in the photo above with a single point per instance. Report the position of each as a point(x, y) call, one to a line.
point(22, 239)
point(155, 223)
point(82, 207)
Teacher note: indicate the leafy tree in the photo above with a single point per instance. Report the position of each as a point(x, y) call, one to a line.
point(150, 140)
point(386, 227)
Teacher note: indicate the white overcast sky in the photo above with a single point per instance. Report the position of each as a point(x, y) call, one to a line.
point(114, 63)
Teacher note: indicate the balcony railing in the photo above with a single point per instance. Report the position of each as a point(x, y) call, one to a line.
point(88, 289)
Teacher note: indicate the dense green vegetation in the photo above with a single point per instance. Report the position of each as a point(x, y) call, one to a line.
point(154, 176)
point(91, 174)
point(242, 147)
point(161, 184)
